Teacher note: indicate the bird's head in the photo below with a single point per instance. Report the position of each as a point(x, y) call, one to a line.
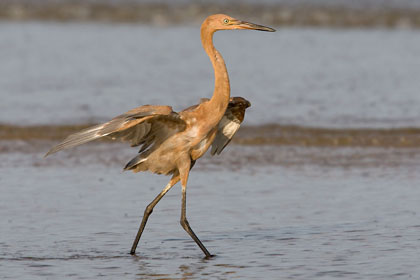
point(225, 22)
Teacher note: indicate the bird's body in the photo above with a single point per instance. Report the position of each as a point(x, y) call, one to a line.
point(191, 139)
point(171, 142)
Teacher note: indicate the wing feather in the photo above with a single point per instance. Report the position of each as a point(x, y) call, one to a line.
point(229, 124)
point(225, 132)
point(133, 126)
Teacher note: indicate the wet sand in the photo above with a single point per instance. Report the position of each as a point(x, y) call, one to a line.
point(274, 134)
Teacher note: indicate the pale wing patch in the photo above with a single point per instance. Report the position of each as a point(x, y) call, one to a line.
point(226, 130)
point(230, 128)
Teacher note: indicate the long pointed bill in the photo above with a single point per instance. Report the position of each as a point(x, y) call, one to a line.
point(253, 26)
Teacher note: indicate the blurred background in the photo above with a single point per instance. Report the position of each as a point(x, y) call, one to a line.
point(320, 182)
point(332, 63)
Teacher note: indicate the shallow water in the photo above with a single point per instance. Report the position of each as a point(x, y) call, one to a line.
point(78, 73)
point(74, 215)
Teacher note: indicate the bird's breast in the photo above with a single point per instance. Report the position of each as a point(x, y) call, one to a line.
point(199, 134)
point(203, 145)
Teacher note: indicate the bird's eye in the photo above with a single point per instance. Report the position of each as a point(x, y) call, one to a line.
point(225, 21)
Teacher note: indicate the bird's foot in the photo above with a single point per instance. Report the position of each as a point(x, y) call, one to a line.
point(209, 257)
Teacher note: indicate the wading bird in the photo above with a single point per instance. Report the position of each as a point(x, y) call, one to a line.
point(171, 142)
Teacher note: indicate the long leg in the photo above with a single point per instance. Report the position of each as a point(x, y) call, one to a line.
point(149, 210)
point(184, 222)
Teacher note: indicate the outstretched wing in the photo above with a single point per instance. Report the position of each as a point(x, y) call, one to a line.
point(142, 125)
point(230, 123)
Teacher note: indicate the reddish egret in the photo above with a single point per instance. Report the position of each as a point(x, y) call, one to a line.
point(171, 142)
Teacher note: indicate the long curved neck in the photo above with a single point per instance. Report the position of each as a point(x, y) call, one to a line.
point(220, 99)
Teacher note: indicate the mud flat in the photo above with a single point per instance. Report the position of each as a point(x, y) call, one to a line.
point(257, 135)
point(165, 13)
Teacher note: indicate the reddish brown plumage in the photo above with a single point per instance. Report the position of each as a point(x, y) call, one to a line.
point(171, 142)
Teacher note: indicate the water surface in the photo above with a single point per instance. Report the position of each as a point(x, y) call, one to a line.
point(78, 73)
point(317, 213)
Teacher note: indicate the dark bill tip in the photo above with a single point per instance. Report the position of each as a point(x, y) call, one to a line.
point(253, 26)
